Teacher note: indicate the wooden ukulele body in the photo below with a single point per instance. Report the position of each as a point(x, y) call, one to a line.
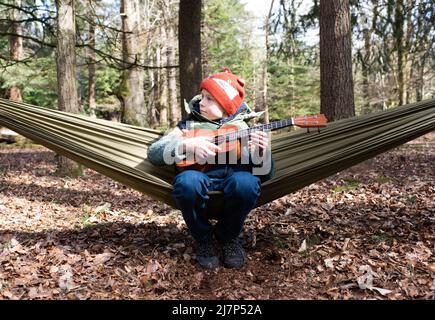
point(226, 146)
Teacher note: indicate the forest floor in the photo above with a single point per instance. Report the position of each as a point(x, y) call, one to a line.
point(365, 233)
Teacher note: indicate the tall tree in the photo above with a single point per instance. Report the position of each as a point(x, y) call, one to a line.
point(171, 60)
point(424, 36)
point(66, 73)
point(189, 44)
point(131, 91)
point(175, 113)
point(91, 56)
point(365, 53)
point(398, 30)
point(16, 46)
point(336, 86)
point(267, 28)
point(163, 78)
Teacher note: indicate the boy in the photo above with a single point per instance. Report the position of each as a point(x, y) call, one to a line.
point(221, 103)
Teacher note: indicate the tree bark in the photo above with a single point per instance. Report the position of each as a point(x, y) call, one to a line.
point(419, 89)
point(156, 87)
point(189, 35)
point(337, 97)
point(163, 77)
point(398, 27)
point(170, 58)
point(153, 95)
point(92, 91)
point(66, 74)
point(408, 57)
point(16, 47)
point(424, 44)
point(265, 71)
point(131, 93)
point(175, 113)
point(366, 59)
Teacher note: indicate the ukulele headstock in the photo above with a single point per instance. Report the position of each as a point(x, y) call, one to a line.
point(313, 121)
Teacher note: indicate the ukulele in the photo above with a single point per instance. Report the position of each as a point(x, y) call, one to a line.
point(229, 137)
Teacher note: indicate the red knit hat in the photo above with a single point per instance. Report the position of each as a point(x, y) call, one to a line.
point(227, 89)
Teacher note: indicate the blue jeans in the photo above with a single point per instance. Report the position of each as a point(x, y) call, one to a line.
point(241, 190)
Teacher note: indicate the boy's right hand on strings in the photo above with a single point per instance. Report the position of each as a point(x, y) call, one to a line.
point(200, 146)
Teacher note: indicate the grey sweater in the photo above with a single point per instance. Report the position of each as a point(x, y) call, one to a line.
point(165, 148)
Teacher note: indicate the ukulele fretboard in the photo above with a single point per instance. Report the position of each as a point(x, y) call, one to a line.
point(246, 132)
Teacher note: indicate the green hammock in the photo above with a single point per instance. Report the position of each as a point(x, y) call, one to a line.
point(119, 151)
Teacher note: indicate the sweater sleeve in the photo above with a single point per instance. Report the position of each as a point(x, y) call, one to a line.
point(165, 150)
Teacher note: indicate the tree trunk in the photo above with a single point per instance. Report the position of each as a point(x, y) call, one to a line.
point(336, 82)
point(157, 86)
point(66, 74)
point(91, 68)
point(153, 100)
point(265, 76)
point(131, 93)
point(408, 56)
point(16, 47)
point(423, 42)
point(163, 76)
point(398, 26)
point(175, 113)
point(367, 57)
point(419, 91)
point(365, 84)
point(189, 37)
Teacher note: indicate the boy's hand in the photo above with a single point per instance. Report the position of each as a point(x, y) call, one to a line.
point(259, 139)
point(201, 146)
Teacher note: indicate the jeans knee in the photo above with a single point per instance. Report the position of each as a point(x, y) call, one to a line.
point(243, 185)
point(189, 184)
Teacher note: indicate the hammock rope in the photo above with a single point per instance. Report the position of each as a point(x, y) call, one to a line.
point(119, 150)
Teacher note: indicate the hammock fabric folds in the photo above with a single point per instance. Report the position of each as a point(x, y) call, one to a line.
point(119, 151)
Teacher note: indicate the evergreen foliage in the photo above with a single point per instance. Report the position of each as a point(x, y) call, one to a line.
point(293, 88)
